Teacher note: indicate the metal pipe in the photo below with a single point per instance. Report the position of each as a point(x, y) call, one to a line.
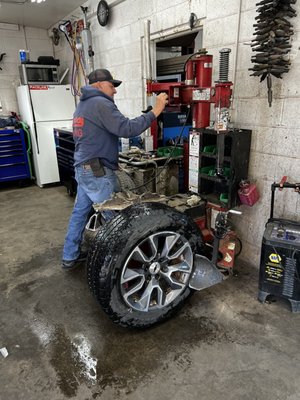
point(138, 163)
point(147, 76)
point(272, 200)
point(86, 38)
point(147, 49)
point(236, 51)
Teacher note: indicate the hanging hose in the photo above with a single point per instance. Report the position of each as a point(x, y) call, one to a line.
point(77, 67)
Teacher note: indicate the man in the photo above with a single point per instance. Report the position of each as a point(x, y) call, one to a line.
point(97, 127)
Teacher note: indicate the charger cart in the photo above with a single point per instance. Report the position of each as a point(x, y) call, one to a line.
point(280, 255)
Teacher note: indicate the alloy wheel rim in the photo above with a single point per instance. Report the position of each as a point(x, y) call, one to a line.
point(156, 271)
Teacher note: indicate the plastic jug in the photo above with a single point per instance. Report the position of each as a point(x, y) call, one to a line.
point(24, 56)
point(248, 193)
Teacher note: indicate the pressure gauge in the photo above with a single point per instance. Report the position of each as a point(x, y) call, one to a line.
point(102, 12)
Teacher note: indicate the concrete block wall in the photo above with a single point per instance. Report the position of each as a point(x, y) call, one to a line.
point(226, 23)
point(275, 130)
point(12, 39)
point(117, 46)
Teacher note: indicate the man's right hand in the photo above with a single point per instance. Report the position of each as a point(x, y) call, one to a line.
point(160, 104)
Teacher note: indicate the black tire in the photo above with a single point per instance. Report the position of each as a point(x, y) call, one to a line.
point(126, 182)
point(131, 244)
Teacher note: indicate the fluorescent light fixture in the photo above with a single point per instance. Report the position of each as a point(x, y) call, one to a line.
point(37, 1)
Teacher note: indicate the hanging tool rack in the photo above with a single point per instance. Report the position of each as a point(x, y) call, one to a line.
point(272, 41)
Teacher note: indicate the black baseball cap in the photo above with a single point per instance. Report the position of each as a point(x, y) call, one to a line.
point(101, 75)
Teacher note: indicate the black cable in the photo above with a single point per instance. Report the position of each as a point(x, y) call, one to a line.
point(192, 55)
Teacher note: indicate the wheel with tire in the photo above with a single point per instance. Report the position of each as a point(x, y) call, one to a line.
point(140, 264)
point(126, 182)
point(95, 220)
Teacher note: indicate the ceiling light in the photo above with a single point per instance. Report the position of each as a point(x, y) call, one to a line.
point(37, 1)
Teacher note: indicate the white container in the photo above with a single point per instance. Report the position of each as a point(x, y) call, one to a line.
point(124, 145)
point(148, 143)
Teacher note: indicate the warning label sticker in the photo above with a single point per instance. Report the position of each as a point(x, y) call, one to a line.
point(274, 272)
point(201, 94)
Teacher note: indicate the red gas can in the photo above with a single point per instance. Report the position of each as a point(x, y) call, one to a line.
point(248, 193)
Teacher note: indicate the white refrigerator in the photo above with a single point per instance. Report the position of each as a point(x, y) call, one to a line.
point(44, 107)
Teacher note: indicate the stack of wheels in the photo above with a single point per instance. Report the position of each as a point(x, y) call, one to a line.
point(95, 220)
point(140, 264)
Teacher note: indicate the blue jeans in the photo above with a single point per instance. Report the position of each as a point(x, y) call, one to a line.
point(89, 190)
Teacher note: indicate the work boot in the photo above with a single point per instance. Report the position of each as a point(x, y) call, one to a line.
point(70, 264)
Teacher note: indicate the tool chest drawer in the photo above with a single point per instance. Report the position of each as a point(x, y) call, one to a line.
point(65, 156)
point(14, 163)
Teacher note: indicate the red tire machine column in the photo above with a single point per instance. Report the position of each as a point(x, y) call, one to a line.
point(198, 93)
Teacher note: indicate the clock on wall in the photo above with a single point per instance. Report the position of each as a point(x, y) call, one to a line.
point(102, 12)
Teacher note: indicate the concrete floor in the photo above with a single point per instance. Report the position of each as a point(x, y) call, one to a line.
point(224, 344)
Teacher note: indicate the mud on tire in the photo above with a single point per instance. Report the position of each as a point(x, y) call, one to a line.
point(140, 262)
point(126, 182)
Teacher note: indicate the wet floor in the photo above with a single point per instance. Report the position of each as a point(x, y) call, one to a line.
point(224, 344)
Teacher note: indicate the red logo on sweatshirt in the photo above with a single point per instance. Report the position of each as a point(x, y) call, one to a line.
point(78, 124)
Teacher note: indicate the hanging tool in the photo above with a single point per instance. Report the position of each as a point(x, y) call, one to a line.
point(86, 38)
point(272, 40)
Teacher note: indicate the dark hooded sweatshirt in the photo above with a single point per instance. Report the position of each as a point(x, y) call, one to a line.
point(97, 126)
